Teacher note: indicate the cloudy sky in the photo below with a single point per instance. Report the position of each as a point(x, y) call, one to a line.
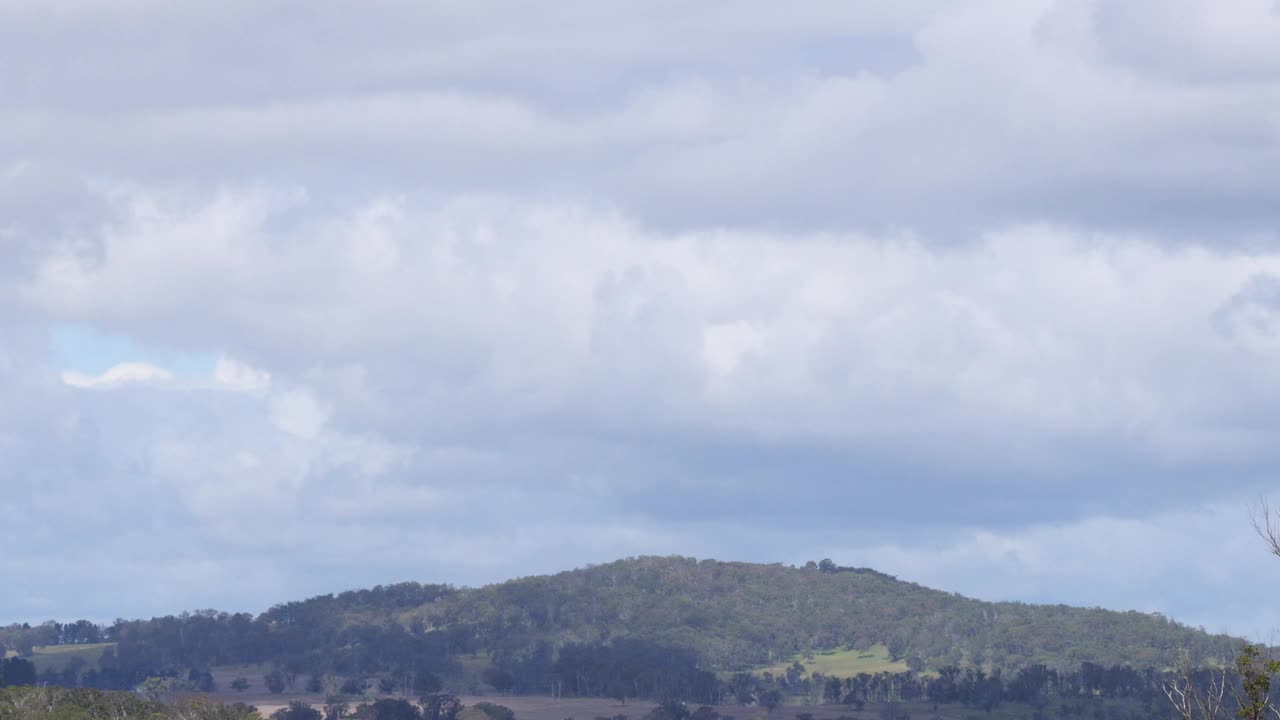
point(303, 296)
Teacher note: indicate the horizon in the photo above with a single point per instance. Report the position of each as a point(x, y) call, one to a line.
point(588, 566)
point(983, 294)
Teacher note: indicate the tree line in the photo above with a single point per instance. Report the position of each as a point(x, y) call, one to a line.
point(731, 616)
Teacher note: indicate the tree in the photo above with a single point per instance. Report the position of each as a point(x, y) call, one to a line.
point(498, 679)
point(389, 709)
point(296, 710)
point(1193, 700)
point(275, 681)
point(1251, 687)
point(198, 707)
point(335, 707)
point(440, 706)
point(833, 690)
point(17, 671)
point(619, 690)
point(1267, 524)
point(154, 688)
point(240, 684)
point(770, 699)
point(495, 712)
point(426, 682)
point(1253, 695)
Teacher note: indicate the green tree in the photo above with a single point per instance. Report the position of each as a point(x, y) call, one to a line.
point(498, 679)
point(495, 712)
point(336, 707)
point(441, 706)
point(297, 710)
point(426, 682)
point(1253, 696)
point(770, 699)
point(275, 681)
point(389, 709)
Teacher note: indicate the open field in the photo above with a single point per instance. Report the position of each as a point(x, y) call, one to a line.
point(842, 663)
point(528, 707)
point(56, 657)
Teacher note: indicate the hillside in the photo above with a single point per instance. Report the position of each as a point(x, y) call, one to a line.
point(738, 616)
point(652, 617)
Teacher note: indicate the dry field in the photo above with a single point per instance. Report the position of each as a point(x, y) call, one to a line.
point(542, 707)
point(530, 707)
point(526, 707)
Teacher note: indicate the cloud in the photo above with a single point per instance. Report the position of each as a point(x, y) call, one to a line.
point(743, 393)
point(117, 376)
point(297, 413)
point(1093, 114)
point(235, 375)
point(993, 275)
point(1107, 560)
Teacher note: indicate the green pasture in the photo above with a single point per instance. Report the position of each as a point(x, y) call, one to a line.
point(56, 657)
point(842, 663)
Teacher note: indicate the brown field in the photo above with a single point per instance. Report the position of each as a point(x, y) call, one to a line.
point(542, 707)
point(531, 707)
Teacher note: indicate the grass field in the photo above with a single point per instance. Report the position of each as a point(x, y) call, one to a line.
point(842, 663)
point(56, 657)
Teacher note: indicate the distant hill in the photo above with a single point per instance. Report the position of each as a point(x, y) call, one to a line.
point(649, 612)
point(739, 616)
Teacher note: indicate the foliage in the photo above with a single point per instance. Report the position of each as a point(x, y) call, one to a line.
point(388, 709)
point(52, 703)
point(296, 710)
point(441, 706)
point(274, 680)
point(495, 712)
point(17, 671)
point(1253, 699)
point(647, 627)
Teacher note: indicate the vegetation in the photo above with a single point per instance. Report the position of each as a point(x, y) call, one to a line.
point(657, 628)
point(846, 662)
point(52, 703)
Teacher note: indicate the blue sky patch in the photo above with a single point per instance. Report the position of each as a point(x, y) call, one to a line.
point(93, 351)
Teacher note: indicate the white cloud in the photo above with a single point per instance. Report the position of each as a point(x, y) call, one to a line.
point(299, 413)
point(114, 377)
point(235, 375)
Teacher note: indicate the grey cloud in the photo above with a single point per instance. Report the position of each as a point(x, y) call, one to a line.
point(984, 114)
point(1186, 41)
point(718, 279)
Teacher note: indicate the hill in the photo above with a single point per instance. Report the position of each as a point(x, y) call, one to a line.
point(739, 616)
point(659, 622)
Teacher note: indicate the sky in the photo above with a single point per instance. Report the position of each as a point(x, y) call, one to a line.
point(303, 296)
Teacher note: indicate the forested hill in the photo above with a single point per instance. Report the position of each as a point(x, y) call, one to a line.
point(742, 615)
point(718, 616)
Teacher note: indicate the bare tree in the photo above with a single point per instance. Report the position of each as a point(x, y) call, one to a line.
point(1247, 681)
point(1191, 701)
point(1267, 524)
